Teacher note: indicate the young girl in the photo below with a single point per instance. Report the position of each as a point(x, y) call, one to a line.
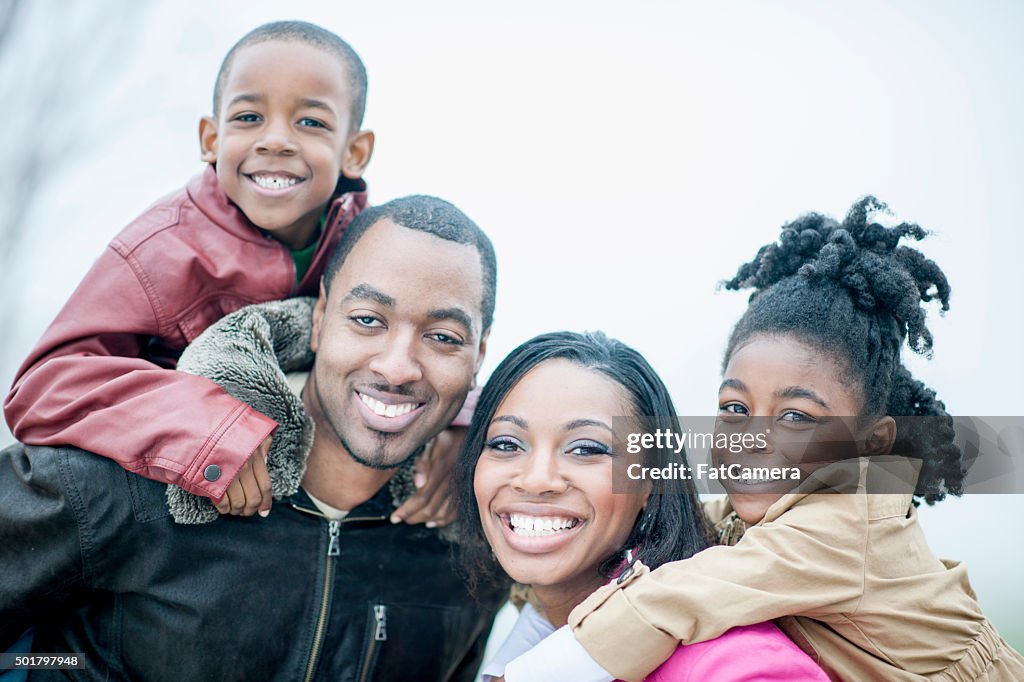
point(849, 577)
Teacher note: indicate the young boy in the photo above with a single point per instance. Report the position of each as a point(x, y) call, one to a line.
point(286, 156)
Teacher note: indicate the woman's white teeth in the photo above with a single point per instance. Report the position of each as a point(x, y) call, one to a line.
point(273, 181)
point(382, 410)
point(540, 526)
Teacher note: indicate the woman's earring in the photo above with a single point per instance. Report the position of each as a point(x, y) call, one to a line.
point(628, 570)
point(645, 522)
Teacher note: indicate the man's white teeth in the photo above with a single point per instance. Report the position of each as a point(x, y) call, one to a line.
point(273, 181)
point(540, 526)
point(382, 410)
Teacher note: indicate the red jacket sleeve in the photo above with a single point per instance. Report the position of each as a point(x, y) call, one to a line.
point(86, 384)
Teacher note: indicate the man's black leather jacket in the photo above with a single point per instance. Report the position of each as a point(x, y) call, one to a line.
point(92, 559)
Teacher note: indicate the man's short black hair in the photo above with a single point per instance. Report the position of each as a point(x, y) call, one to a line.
point(311, 34)
point(433, 216)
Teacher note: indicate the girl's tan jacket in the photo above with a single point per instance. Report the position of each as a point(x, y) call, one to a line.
point(849, 577)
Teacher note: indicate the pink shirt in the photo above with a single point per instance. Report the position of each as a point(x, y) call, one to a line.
point(743, 654)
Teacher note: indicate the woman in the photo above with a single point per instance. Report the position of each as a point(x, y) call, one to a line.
point(535, 487)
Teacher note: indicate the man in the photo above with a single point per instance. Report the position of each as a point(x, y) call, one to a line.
point(324, 587)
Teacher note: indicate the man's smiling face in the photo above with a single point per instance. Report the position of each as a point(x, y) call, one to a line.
point(398, 342)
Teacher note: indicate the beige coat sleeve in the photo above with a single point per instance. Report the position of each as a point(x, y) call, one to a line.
point(809, 561)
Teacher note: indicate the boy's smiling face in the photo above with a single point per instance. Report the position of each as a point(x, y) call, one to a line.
point(282, 136)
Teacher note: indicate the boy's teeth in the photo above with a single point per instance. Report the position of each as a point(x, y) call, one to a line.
point(540, 526)
point(382, 410)
point(273, 181)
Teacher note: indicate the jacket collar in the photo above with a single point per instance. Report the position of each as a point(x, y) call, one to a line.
point(249, 354)
point(377, 509)
point(892, 477)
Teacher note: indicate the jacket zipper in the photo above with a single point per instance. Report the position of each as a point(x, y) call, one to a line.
point(333, 550)
point(380, 634)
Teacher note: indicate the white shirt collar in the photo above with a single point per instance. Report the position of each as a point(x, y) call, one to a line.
point(528, 631)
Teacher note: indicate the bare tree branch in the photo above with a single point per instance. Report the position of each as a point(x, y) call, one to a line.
point(53, 58)
point(8, 10)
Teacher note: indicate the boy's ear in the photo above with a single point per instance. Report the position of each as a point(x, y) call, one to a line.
point(318, 317)
point(880, 437)
point(358, 151)
point(208, 139)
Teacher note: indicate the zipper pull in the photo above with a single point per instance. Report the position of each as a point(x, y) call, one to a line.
point(334, 547)
point(380, 632)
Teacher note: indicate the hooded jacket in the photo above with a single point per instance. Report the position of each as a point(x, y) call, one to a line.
point(94, 381)
point(94, 560)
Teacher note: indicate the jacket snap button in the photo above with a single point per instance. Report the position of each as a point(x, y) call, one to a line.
point(212, 472)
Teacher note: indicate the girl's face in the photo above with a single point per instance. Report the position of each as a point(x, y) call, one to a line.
point(544, 480)
point(795, 395)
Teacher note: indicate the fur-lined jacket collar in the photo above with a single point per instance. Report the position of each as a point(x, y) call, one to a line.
point(248, 354)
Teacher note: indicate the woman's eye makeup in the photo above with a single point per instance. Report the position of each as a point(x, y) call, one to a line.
point(588, 448)
point(505, 444)
point(584, 447)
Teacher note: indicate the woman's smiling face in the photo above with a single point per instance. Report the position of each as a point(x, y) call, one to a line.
point(544, 480)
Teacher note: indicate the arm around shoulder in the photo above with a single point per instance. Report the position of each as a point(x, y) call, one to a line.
point(798, 564)
point(87, 384)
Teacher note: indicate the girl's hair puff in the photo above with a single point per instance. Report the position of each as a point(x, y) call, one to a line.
point(852, 291)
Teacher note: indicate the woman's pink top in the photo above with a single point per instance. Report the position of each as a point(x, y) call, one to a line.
point(744, 654)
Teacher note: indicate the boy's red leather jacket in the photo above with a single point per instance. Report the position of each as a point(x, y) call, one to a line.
point(97, 379)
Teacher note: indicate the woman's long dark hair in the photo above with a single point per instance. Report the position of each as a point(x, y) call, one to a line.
point(673, 525)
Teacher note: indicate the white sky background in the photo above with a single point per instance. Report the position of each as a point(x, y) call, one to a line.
point(624, 161)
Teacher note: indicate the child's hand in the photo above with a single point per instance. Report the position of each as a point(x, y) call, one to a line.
point(433, 478)
point(250, 491)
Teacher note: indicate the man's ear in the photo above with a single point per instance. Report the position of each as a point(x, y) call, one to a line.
point(208, 139)
point(881, 436)
point(318, 317)
point(358, 151)
point(482, 352)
